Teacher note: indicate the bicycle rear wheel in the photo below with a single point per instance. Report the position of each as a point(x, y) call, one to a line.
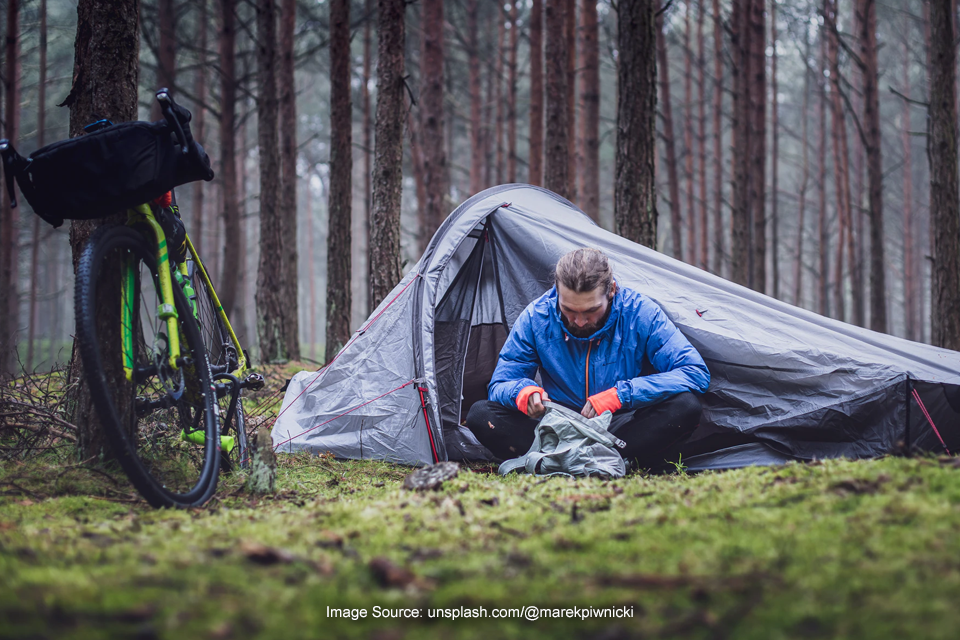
point(224, 359)
point(163, 424)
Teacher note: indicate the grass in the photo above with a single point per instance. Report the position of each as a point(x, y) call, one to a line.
point(834, 549)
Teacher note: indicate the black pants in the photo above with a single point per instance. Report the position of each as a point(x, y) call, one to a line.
point(653, 434)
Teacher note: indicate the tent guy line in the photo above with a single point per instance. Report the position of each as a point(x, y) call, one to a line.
point(930, 420)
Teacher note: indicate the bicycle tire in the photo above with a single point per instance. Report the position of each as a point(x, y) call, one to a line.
point(223, 360)
point(152, 451)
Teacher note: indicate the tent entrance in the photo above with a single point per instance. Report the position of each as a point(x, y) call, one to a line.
point(469, 331)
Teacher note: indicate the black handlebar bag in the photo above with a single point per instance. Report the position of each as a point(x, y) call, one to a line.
point(103, 172)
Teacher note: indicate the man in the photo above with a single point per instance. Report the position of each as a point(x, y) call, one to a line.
point(589, 339)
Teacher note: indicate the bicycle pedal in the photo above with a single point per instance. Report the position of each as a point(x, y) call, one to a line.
point(253, 382)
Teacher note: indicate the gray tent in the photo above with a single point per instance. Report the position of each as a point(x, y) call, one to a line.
point(786, 383)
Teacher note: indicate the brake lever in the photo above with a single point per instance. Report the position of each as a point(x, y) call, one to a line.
point(166, 107)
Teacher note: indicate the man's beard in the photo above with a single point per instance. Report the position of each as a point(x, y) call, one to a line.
point(589, 329)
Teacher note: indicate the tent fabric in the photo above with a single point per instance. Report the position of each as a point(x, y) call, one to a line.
point(786, 383)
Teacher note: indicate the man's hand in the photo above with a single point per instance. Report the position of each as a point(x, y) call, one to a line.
point(535, 408)
point(588, 411)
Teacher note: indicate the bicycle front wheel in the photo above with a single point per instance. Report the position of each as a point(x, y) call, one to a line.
point(161, 420)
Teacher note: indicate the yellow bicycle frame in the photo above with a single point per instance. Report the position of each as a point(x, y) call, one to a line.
point(167, 310)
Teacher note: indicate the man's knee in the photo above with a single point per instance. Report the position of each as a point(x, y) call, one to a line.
point(480, 416)
point(688, 409)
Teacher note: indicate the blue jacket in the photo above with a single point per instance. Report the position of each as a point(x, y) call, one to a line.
point(636, 329)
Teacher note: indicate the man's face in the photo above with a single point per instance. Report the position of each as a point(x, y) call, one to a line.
point(583, 313)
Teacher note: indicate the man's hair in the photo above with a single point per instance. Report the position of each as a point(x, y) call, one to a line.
point(583, 270)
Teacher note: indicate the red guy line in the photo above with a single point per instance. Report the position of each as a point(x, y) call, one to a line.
point(930, 420)
point(352, 340)
point(433, 447)
point(405, 384)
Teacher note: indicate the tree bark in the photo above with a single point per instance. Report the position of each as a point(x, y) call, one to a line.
point(805, 176)
point(702, 140)
point(570, 37)
point(944, 195)
point(269, 298)
point(635, 202)
point(288, 183)
point(105, 79)
point(718, 243)
point(341, 170)
point(841, 162)
point(476, 124)
point(757, 154)
point(431, 121)
point(871, 120)
point(9, 217)
point(41, 134)
point(367, 127)
point(774, 157)
point(199, 120)
point(823, 244)
point(384, 249)
point(230, 277)
point(556, 153)
point(740, 226)
point(589, 157)
point(911, 316)
point(167, 53)
point(498, 96)
point(535, 162)
point(666, 111)
point(512, 97)
point(688, 146)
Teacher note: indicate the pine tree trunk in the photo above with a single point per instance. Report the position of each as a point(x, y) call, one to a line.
point(666, 111)
point(556, 154)
point(512, 98)
point(871, 121)
point(341, 170)
point(476, 124)
point(804, 178)
point(535, 162)
point(9, 217)
point(288, 183)
point(367, 126)
point(774, 157)
point(718, 243)
point(41, 131)
point(197, 125)
point(311, 271)
point(635, 196)
point(688, 147)
point(106, 75)
point(589, 157)
point(740, 222)
point(384, 249)
point(823, 244)
point(570, 37)
point(757, 155)
point(229, 279)
point(703, 261)
point(911, 318)
point(840, 160)
point(431, 120)
point(167, 53)
point(498, 97)
point(944, 196)
point(420, 185)
point(269, 298)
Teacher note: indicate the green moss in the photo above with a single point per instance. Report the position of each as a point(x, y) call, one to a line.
point(836, 549)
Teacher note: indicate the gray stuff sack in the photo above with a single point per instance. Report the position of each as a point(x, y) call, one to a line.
point(566, 443)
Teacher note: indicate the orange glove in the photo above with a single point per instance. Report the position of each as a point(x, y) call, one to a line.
point(524, 397)
point(606, 401)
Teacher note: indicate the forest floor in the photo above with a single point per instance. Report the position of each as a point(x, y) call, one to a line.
point(852, 549)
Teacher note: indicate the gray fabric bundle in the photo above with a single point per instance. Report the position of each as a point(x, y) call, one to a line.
point(566, 443)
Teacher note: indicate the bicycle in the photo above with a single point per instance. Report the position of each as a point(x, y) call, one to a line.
point(182, 364)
